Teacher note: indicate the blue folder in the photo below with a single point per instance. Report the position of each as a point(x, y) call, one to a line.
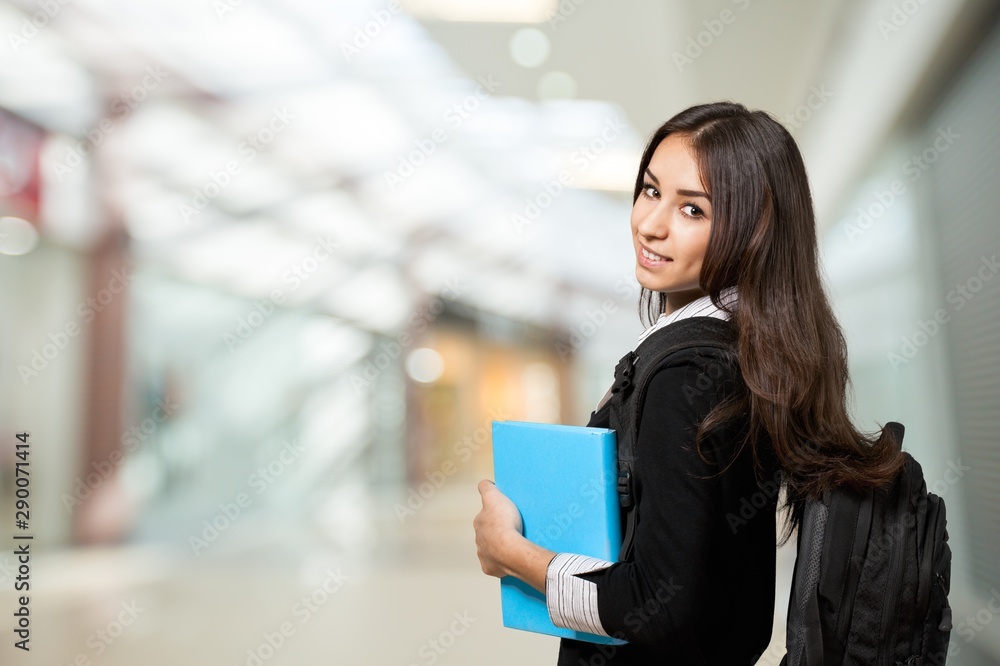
point(564, 481)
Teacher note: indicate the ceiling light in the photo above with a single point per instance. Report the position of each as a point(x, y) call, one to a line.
point(500, 11)
point(424, 365)
point(529, 47)
point(557, 85)
point(17, 236)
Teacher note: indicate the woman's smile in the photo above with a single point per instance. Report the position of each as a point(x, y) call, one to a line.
point(650, 259)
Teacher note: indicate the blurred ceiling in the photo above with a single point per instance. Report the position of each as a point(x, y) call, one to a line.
point(636, 53)
point(359, 158)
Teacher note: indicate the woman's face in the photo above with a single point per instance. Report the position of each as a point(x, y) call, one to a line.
point(671, 219)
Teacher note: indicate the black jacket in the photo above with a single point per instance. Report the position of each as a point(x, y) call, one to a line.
point(699, 587)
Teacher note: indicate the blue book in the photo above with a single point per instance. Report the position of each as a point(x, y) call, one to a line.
point(564, 481)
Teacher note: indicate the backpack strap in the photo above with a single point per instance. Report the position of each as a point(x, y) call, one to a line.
point(633, 374)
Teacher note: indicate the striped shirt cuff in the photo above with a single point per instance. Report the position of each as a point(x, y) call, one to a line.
point(572, 601)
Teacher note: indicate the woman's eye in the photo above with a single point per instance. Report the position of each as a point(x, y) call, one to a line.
point(697, 212)
point(645, 189)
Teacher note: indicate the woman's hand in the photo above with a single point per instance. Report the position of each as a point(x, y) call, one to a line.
point(495, 525)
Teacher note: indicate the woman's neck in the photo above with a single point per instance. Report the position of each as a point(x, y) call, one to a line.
point(674, 301)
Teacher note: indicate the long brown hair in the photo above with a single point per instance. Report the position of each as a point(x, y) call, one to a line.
point(791, 350)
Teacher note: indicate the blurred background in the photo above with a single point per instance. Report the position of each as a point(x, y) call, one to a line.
point(268, 271)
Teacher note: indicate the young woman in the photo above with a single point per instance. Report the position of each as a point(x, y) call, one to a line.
point(723, 227)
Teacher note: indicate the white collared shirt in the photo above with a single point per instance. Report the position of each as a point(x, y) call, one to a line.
point(700, 307)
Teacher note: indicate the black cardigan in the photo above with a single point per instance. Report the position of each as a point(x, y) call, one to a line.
point(699, 586)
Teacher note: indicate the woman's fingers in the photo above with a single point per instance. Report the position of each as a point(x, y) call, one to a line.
point(487, 527)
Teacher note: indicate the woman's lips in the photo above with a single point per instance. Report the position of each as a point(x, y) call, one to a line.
point(645, 259)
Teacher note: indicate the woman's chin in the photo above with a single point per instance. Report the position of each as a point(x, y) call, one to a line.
point(642, 277)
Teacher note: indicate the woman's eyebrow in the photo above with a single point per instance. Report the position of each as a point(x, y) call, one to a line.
point(683, 193)
point(693, 193)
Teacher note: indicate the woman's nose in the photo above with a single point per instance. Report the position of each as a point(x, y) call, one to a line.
point(654, 224)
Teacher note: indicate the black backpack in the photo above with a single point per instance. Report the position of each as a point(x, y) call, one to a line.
point(872, 570)
point(872, 575)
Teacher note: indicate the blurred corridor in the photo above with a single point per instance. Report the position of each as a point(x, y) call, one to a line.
point(268, 271)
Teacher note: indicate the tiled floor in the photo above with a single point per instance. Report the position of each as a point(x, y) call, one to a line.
point(275, 594)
